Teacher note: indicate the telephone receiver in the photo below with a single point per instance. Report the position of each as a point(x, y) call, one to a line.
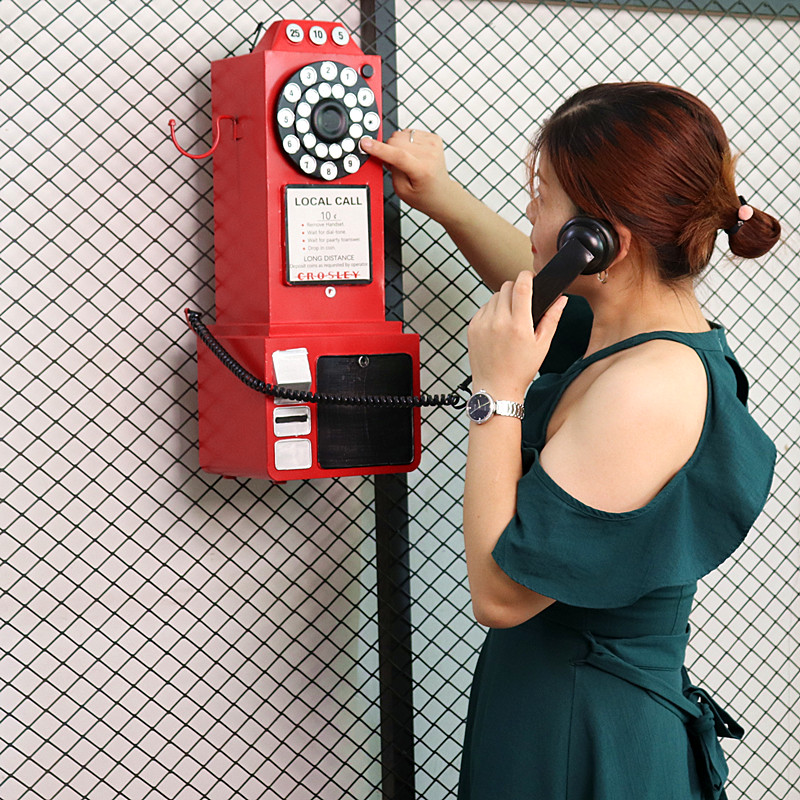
point(586, 246)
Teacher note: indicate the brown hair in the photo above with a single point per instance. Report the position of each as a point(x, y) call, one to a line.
point(655, 159)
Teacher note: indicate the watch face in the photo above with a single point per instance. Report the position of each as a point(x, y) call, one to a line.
point(480, 407)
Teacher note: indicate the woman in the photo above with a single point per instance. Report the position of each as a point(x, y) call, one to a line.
point(635, 471)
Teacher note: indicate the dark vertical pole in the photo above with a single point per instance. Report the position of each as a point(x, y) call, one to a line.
point(391, 491)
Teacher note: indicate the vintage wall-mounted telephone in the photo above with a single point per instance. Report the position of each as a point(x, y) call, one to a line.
point(299, 268)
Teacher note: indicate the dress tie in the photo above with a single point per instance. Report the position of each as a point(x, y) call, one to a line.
point(705, 720)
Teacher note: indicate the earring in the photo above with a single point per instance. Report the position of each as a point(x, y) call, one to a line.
point(602, 276)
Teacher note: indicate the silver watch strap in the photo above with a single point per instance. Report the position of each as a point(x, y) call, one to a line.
point(507, 408)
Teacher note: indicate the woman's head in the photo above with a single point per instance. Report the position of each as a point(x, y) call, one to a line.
point(655, 159)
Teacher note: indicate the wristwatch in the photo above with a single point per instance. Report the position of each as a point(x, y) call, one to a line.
point(481, 407)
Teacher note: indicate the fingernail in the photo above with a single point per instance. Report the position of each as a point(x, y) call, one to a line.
point(366, 143)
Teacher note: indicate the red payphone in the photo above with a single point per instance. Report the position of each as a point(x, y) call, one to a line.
point(298, 210)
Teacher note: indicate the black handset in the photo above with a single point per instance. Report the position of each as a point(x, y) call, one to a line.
point(585, 246)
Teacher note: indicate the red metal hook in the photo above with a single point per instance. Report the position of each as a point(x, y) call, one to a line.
point(214, 144)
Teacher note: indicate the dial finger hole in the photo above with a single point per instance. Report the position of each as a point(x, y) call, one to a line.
point(286, 118)
point(291, 144)
point(348, 76)
point(292, 92)
point(351, 163)
point(328, 170)
point(328, 71)
point(308, 76)
point(308, 163)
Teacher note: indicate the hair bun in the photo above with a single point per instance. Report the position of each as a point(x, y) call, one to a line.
point(754, 233)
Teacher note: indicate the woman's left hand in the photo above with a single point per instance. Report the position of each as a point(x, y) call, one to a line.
point(505, 352)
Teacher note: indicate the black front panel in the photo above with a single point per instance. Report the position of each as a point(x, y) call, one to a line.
point(365, 436)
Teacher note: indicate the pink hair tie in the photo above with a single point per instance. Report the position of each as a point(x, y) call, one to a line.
point(745, 213)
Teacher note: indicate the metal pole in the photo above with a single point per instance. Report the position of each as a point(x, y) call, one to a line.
point(391, 491)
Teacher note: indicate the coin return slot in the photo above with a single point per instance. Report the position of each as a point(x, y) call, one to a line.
point(291, 421)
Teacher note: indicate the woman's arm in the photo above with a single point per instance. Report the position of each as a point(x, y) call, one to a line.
point(631, 425)
point(494, 468)
point(505, 355)
point(496, 249)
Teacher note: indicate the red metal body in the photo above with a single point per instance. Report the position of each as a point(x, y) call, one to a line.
point(259, 311)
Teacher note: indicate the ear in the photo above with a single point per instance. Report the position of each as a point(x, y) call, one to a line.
point(624, 237)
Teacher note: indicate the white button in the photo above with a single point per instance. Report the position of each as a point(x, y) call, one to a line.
point(303, 126)
point(340, 36)
point(350, 100)
point(356, 131)
point(303, 110)
point(293, 454)
point(349, 76)
point(294, 33)
point(321, 150)
point(292, 92)
point(372, 121)
point(312, 96)
point(328, 170)
point(324, 90)
point(286, 118)
point(291, 144)
point(328, 71)
point(317, 35)
point(365, 96)
point(337, 91)
point(335, 150)
point(356, 115)
point(348, 145)
point(309, 140)
point(351, 163)
point(308, 75)
point(308, 163)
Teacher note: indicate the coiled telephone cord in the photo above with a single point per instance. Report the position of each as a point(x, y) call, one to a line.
point(452, 400)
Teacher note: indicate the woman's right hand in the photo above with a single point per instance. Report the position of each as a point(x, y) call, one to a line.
point(418, 171)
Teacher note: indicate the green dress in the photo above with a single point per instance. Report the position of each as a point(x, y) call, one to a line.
point(589, 700)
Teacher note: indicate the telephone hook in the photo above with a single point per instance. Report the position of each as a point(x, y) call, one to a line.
point(215, 143)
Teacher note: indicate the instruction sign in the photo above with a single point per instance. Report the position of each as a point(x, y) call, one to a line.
point(327, 234)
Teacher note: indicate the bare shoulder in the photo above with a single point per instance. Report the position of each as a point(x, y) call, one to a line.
point(661, 372)
point(632, 429)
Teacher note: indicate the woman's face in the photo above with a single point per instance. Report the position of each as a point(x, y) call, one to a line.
point(550, 207)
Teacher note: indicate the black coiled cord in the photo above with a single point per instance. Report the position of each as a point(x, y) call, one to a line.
point(389, 401)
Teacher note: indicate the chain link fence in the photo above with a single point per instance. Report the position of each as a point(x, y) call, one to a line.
point(168, 633)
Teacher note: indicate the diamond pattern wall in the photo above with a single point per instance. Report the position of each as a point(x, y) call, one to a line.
point(172, 634)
